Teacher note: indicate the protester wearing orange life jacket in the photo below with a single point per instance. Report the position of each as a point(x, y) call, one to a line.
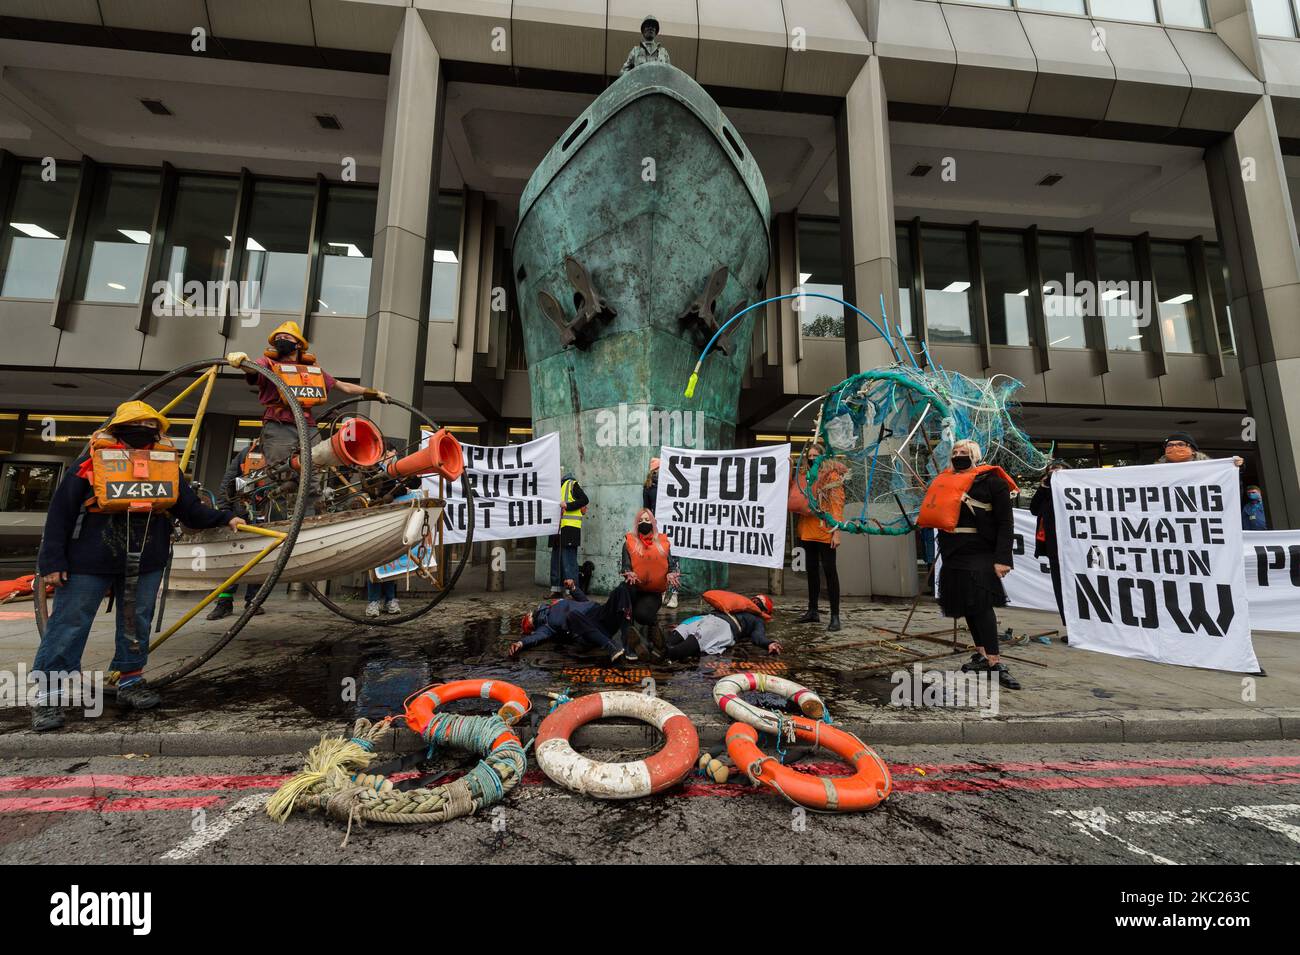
point(649, 568)
point(969, 504)
point(288, 356)
point(109, 527)
point(819, 539)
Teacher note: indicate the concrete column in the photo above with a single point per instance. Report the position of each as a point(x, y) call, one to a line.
point(1257, 232)
point(866, 194)
point(870, 564)
point(396, 320)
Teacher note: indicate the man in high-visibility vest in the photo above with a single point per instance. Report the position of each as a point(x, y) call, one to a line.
point(564, 545)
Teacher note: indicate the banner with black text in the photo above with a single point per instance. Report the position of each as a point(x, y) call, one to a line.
point(516, 491)
point(1151, 563)
point(727, 506)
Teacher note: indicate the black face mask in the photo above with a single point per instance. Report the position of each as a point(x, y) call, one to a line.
point(645, 528)
point(135, 436)
point(960, 463)
point(284, 349)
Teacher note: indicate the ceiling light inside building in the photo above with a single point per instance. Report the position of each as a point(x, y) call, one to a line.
point(956, 286)
point(136, 235)
point(156, 107)
point(804, 277)
point(1050, 179)
point(444, 255)
point(117, 285)
point(1134, 338)
point(1112, 293)
point(32, 229)
point(252, 245)
point(352, 251)
point(1023, 293)
point(920, 169)
point(1178, 299)
point(1059, 340)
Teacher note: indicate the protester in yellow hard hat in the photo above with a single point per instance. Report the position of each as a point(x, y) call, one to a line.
point(108, 528)
point(288, 355)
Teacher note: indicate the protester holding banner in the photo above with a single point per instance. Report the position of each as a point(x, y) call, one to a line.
point(565, 544)
point(1045, 533)
point(649, 567)
point(820, 540)
point(1181, 446)
point(650, 490)
point(1252, 512)
point(976, 548)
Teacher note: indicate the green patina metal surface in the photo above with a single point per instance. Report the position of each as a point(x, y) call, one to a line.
point(651, 189)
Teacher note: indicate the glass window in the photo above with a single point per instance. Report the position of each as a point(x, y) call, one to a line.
point(1054, 6)
point(1061, 262)
point(1119, 455)
point(819, 272)
point(28, 485)
point(1076, 454)
point(31, 251)
point(1274, 17)
point(444, 283)
point(275, 250)
point(1183, 13)
point(198, 239)
point(346, 250)
point(1180, 314)
point(1142, 10)
point(1119, 294)
point(116, 249)
point(946, 265)
point(906, 276)
point(1006, 287)
point(1221, 289)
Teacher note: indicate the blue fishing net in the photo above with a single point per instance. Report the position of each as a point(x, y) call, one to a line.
point(887, 432)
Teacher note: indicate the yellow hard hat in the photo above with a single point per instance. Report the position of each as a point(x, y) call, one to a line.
point(128, 412)
point(288, 328)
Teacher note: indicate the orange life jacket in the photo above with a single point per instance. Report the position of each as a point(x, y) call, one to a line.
point(650, 564)
point(254, 460)
point(729, 602)
point(305, 380)
point(946, 494)
point(131, 479)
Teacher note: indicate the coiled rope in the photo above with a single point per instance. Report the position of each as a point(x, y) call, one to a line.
point(331, 781)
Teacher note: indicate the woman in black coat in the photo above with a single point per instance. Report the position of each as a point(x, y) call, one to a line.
point(976, 556)
point(1045, 535)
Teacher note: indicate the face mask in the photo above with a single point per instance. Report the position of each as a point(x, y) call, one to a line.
point(284, 349)
point(135, 436)
point(1178, 454)
point(645, 528)
point(960, 463)
point(1253, 495)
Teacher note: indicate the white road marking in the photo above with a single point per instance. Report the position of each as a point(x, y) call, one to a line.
point(1097, 821)
point(232, 817)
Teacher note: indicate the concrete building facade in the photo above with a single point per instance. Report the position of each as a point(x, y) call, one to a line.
point(1092, 196)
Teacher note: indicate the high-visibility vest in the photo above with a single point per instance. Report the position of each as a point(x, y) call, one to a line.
point(572, 517)
point(305, 382)
point(131, 479)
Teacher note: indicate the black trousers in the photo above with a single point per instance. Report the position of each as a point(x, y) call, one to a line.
point(984, 630)
point(677, 647)
point(822, 555)
point(1053, 563)
point(598, 626)
point(645, 605)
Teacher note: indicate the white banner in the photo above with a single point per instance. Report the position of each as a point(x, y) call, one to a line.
point(1151, 563)
point(727, 506)
point(1272, 561)
point(1029, 585)
point(516, 492)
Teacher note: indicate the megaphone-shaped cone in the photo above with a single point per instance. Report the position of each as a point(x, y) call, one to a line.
point(356, 444)
point(441, 455)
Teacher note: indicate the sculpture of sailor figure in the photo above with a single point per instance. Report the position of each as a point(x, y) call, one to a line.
point(649, 50)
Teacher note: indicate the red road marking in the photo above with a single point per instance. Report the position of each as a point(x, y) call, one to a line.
point(137, 783)
point(1050, 783)
point(104, 803)
point(1085, 765)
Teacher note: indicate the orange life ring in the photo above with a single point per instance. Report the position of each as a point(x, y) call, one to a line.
point(421, 704)
point(868, 787)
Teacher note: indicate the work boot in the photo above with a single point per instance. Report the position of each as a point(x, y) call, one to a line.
point(393, 607)
point(1005, 677)
point(810, 616)
point(616, 654)
point(138, 696)
point(259, 611)
point(629, 651)
point(372, 609)
point(224, 607)
point(835, 623)
point(46, 717)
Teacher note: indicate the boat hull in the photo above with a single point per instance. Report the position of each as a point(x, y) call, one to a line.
point(653, 194)
point(328, 545)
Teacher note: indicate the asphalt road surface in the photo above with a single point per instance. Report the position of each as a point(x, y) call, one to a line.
point(1157, 804)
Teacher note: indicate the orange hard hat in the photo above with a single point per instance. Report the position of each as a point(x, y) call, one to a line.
point(526, 625)
point(764, 602)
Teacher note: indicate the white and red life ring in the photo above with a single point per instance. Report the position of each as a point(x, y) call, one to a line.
point(566, 767)
point(726, 693)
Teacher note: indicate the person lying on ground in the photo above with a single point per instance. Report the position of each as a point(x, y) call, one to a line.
point(714, 633)
point(580, 621)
